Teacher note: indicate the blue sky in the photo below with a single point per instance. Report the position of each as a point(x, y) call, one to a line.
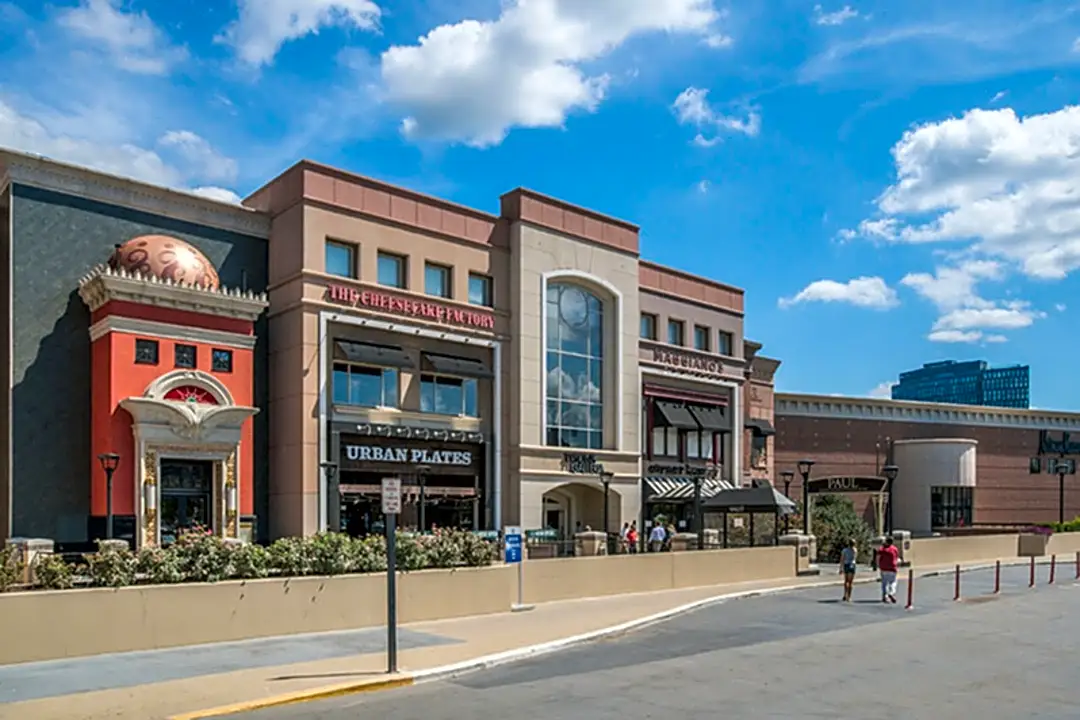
point(892, 185)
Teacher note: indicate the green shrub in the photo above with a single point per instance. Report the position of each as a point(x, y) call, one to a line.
point(444, 549)
point(289, 557)
point(1067, 526)
point(412, 552)
point(834, 522)
point(371, 554)
point(111, 567)
point(331, 554)
point(478, 552)
point(159, 566)
point(52, 572)
point(251, 561)
point(11, 568)
point(203, 556)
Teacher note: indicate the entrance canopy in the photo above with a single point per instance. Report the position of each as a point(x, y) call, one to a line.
point(682, 488)
point(763, 499)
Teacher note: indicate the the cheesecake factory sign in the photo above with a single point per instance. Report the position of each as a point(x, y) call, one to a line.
point(687, 362)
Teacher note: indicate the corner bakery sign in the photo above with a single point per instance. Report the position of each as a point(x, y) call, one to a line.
point(407, 456)
point(688, 362)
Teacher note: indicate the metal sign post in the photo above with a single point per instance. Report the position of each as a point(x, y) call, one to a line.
point(514, 555)
point(391, 506)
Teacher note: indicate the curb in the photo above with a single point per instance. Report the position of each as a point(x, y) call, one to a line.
point(488, 661)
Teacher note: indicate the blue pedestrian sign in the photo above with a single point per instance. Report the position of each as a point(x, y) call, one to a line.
point(512, 541)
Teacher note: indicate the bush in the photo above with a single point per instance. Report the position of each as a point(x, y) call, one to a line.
point(289, 556)
point(11, 568)
point(330, 554)
point(111, 567)
point(411, 551)
point(159, 566)
point(52, 572)
point(371, 554)
point(1067, 526)
point(203, 556)
point(251, 561)
point(834, 522)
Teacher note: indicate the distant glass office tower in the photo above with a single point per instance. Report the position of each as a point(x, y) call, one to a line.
point(966, 383)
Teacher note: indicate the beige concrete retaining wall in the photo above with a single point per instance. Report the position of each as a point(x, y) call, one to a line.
point(71, 623)
point(1064, 544)
point(972, 548)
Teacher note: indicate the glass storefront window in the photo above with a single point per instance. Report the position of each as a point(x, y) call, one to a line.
point(951, 506)
point(444, 395)
point(575, 366)
point(365, 386)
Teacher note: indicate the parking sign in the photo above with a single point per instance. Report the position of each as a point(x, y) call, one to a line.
point(512, 540)
point(391, 496)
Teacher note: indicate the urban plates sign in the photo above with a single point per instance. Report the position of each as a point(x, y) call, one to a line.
point(407, 456)
point(846, 484)
point(407, 307)
point(686, 361)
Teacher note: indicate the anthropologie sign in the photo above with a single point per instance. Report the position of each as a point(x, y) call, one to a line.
point(685, 361)
point(436, 312)
point(407, 456)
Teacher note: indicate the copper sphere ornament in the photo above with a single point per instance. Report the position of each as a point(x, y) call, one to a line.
point(166, 258)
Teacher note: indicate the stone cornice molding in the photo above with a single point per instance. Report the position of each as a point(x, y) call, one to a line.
point(103, 284)
point(852, 408)
point(41, 172)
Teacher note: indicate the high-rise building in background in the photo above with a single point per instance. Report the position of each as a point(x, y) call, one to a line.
point(972, 382)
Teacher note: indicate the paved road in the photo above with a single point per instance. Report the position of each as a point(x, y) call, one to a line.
point(799, 655)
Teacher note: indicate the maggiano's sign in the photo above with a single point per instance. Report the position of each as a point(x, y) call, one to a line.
point(407, 456)
point(847, 484)
point(688, 362)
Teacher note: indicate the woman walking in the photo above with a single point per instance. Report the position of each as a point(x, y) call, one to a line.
point(848, 558)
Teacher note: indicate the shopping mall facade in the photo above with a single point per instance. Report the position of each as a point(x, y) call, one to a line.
point(259, 369)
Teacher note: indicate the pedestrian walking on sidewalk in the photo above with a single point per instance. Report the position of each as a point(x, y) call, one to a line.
point(888, 558)
point(848, 557)
point(632, 537)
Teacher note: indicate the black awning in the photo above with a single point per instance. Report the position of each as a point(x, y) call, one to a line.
point(711, 417)
point(750, 500)
point(675, 415)
point(377, 355)
point(457, 366)
point(760, 427)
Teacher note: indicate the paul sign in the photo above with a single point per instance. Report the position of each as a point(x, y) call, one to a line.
point(407, 456)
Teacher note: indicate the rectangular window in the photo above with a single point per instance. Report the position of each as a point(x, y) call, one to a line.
point(186, 356)
point(442, 395)
point(221, 361)
point(146, 352)
point(675, 332)
point(701, 338)
point(665, 442)
point(340, 259)
point(365, 386)
point(724, 343)
point(951, 506)
point(391, 270)
point(699, 445)
point(437, 280)
point(480, 292)
point(759, 450)
point(648, 326)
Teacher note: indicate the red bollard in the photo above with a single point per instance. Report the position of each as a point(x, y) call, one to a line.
point(911, 589)
point(1078, 566)
point(1053, 568)
point(997, 577)
point(1031, 580)
point(956, 595)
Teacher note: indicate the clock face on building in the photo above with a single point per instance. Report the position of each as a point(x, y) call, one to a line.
point(573, 307)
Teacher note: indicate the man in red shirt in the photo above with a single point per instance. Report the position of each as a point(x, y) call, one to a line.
point(888, 558)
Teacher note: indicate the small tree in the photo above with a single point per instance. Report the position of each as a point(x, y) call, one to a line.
point(834, 522)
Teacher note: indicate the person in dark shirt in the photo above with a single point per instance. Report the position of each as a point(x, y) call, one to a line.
point(888, 558)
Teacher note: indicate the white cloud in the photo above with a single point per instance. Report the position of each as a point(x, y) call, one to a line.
point(837, 17)
point(1061, 307)
point(999, 95)
point(866, 292)
point(964, 313)
point(217, 193)
point(692, 107)
point(475, 80)
point(130, 39)
point(182, 159)
point(995, 339)
point(265, 25)
point(1007, 185)
point(1076, 45)
point(882, 391)
point(703, 187)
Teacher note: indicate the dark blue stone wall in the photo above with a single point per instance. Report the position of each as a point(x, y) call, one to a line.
point(56, 239)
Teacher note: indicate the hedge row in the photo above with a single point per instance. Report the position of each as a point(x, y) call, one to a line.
point(199, 556)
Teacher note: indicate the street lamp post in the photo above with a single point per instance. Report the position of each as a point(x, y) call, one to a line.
point(804, 470)
point(890, 472)
point(421, 472)
point(333, 493)
point(605, 479)
point(699, 519)
point(109, 463)
point(787, 475)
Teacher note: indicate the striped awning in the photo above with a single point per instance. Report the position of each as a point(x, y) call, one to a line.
point(682, 488)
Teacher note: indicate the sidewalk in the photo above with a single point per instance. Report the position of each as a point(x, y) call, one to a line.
point(184, 683)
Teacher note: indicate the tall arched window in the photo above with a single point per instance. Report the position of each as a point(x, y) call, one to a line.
point(575, 366)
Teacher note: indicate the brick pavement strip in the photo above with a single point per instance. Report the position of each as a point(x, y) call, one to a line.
point(488, 637)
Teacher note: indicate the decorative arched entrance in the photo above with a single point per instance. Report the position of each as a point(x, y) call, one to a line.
point(575, 506)
point(187, 431)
